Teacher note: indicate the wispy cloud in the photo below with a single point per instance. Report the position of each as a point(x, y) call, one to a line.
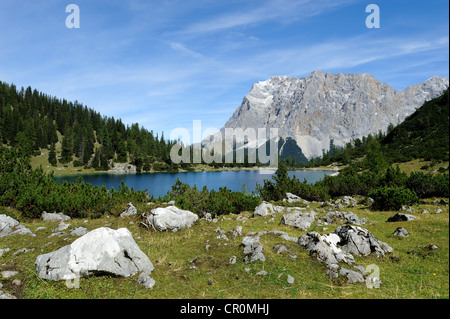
point(279, 10)
point(181, 48)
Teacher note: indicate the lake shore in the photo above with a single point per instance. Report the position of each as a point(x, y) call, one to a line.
point(70, 170)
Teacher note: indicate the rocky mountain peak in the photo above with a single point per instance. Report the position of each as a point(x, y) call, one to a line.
point(321, 107)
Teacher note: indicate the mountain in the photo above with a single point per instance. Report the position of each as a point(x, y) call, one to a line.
point(325, 108)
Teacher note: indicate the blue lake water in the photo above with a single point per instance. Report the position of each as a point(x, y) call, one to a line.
point(158, 184)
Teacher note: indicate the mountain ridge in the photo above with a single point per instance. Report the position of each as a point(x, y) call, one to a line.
point(324, 107)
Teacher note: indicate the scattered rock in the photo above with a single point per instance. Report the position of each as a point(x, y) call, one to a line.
point(400, 217)
point(79, 231)
point(437, 211)
point(299, 220)
point(351, 275)
point(101, 251)
point(400, 231)
point(347, 201)
point(145, 280)
point(291, 198)
point(23, 251)
point(432, 247)
point(4, 250)
point(61, 226)
point(5, 295)
point(263, 209)
point(10, 226)
point(129, 211)
point(235, 232)
point(325, 248)
point(232, 260)
point(59, 234)
point(8, 273)
point(333, 271)
point(169, 218)
point(350, 218)
point(290, 279)
point(54, 217)
point(425, 211)
point(280, 249)
point(262, 273)
point(252, 249)
point(360, 241)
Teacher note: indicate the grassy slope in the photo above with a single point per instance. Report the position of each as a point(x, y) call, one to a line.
point(419, 273)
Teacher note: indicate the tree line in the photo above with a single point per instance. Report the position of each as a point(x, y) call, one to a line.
point(31, 120)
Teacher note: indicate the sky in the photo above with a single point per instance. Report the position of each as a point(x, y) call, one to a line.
point(164, 64)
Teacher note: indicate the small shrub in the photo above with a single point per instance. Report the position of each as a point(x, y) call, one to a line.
point(392, 198)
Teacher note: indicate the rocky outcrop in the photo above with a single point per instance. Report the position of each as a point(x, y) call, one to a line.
point(325, 248)
point(169, 218)
point(323, 106)
point(101, 251)
point(360, 241)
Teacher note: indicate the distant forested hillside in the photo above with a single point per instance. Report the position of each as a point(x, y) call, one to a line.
point(424, 134)
point(31, 120)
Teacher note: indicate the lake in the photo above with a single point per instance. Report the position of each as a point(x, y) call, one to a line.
point(157, 184)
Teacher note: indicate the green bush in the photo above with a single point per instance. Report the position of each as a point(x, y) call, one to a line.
point(392, 198)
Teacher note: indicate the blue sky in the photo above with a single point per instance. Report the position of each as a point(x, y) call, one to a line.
point(164, 64)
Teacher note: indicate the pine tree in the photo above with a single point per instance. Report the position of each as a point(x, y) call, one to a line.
point(52, 155)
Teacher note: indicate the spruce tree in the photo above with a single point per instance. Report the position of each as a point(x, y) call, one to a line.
point(52, 155)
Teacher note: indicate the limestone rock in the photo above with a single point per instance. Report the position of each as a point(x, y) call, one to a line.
point(352, 276)
point(54, 217)
point(145, 280)
point(321, 107)
point(400, 231)
point(10, 226)
point(263, 209)
point(401, 217)
point(129, 211)
point(325, 248)
point(360, 241)
point(299, 220)
point(253, 249)
point(350, 218)
point(101, 251)
point(169, 218)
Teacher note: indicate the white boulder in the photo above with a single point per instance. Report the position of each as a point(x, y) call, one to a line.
point(100, 251)
point(169, 218)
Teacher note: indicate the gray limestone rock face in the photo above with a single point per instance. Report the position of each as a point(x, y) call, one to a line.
point(360, 241)
point(321, 107)
point(101, 251)
point(169, 218)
